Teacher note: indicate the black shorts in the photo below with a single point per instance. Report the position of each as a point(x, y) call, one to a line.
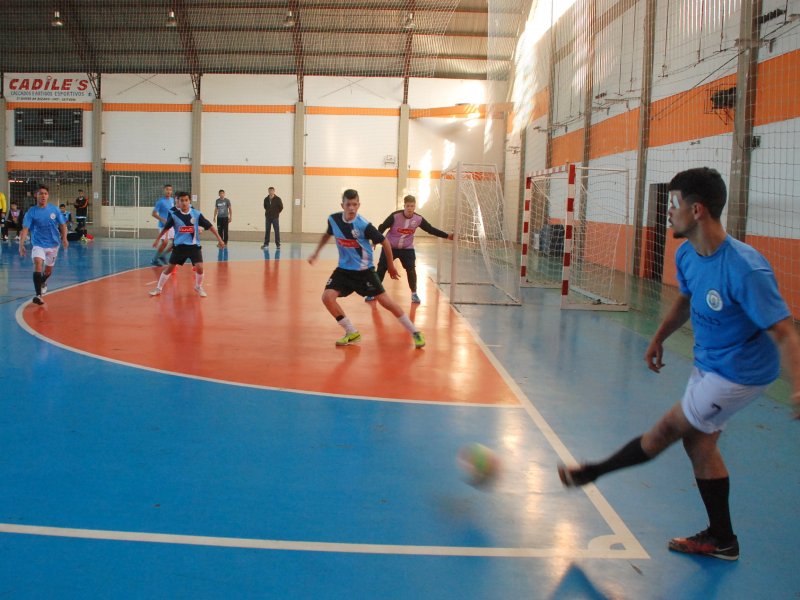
point(363, 283)
point(407, 256)
point(183, 252)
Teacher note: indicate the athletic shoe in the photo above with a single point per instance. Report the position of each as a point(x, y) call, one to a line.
point(277, 246)
point(201, 292)
point(264, 246)
point(419, 339)
point(44, 289)
point(348, 339)
point(706, 544)
point(155, 292)
point(574, 477)
point(369, 298)
point(415, 299)
point(155, 262)
point(38, 300)
point(162, 261)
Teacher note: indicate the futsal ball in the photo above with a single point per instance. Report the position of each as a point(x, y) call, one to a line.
point(479, 463)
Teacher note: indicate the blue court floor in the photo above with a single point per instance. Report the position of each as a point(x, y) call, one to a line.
point(122, 482)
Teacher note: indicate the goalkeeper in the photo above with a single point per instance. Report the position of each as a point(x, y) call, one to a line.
point(402, 224)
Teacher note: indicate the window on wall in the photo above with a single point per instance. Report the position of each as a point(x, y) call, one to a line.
point(48, 127)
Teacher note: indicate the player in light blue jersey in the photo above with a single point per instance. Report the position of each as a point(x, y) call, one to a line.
point(356, 273)
point(739, 319)
point(47, 227)
point(186, 222)
point(160, 212)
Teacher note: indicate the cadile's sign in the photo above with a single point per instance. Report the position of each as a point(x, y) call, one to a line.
point(44, 87)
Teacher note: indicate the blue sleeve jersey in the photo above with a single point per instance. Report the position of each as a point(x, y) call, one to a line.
point(187, 226)
point(162, 207)
point(354, 241)
point(734, 299)
point(43, 225)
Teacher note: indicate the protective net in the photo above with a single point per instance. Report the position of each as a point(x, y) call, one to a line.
point(480, 266)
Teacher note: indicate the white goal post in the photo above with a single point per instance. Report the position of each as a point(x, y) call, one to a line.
point(124, 205)
point(576, 235)
point(482, 258)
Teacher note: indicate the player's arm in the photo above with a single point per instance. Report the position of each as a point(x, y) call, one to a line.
point(387, 222)
point(167, 224)
point(322, 241)
point(64, 241)
point(428, 228)
point(23, 235)
point(677, 315)
point(215, 214)
point(209, 226)
point(785, 336)
point(230, 213)
point(156, 215)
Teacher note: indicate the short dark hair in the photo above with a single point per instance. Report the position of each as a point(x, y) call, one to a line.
point(166, 185)
point(42, 186)
point(180, 195)
point(349, 195)
point(703, 185)
point(62, 206)
point(221, 192)
point(409, 198)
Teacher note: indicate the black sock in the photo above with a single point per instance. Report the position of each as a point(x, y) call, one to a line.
point(714, 493)
point(629, 455)
point(37, 282)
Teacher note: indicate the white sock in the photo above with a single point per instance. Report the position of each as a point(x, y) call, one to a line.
point(347, 325)
point(198, 279)
point(406, 322)
point(162, 281)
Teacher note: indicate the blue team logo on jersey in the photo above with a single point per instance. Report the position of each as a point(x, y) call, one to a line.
point(714, 300)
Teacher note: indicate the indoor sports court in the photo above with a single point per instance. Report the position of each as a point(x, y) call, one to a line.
point(151, 451)
point(224, 446)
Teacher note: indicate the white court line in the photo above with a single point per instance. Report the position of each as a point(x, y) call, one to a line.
point(597, 548)
point(600, 547)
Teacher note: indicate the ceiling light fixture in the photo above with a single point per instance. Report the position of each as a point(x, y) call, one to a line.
point(57, 22)
point(289, 20)
point(171, 20)
point(409, 24)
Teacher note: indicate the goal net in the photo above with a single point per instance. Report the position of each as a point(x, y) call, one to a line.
point(578, 235)
point(480, 265)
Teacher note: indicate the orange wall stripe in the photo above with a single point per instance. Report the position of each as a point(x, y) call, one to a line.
point(140, 107)
point(341, 110)
point(615, 135)
point(81, 105)
point(248, 170)
point(336, 172)
point(432, 175)
point(568, 148)
point(48, 166)
point(249, 108)
point(148, 168)
point(776, 92)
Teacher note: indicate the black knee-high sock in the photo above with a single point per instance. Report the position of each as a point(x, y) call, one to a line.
point(629, 455)
point(45, 277)
point(38, 278)
point(714, 493)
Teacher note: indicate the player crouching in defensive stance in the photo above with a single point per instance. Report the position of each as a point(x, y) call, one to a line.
point(738, 316)
point(187, 222)
point(355, 273)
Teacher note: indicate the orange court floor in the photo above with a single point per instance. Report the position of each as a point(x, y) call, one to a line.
point(224, 447)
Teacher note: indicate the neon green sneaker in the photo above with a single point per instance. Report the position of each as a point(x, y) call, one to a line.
point(348, 339)
point(419, 339)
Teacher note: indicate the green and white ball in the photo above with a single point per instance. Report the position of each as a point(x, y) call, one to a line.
point(479, 463)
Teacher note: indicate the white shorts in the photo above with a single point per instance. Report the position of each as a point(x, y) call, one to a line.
point(170, 234)
point(710, 400)
point(48, 255)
